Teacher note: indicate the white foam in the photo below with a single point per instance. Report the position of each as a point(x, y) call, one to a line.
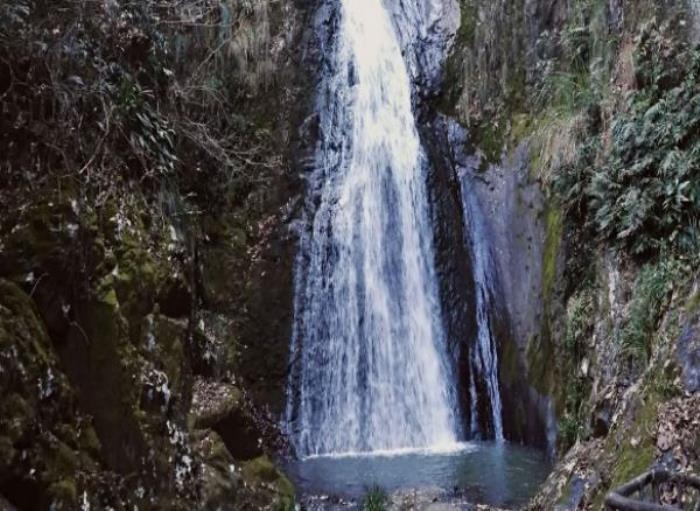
point(443, 449)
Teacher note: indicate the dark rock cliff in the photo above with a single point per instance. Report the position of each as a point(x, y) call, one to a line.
point(146, 179)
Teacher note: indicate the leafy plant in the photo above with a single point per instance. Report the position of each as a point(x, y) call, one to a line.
point(375, 499)
point(579, 326)
point(641, 190)
point(652, 288)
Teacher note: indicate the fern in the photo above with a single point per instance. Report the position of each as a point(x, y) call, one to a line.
point(641, 191)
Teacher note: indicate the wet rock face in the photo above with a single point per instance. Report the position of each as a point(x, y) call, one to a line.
point(513, 209)
point(266, 331)
point(453, 259)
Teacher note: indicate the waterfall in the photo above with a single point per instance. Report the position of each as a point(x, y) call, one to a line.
point(368, 341)
point(484, 354)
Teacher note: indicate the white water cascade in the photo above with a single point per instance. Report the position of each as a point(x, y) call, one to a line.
point(484, 353)
point(368, 337)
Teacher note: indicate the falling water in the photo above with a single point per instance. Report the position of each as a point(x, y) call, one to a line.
point(484, 353)
point(368, 340)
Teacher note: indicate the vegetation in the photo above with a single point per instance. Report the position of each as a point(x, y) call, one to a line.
point(641, 189)
point(579, 328)
point(136, 145)
point(652, 289)
point(375, 499)
point(103, 100)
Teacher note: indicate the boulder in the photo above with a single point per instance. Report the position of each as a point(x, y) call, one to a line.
point(222, 407)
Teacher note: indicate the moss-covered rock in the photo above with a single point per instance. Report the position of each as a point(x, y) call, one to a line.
point(40, 431)
point(220, 477)
point(229, 485)
point(262, 473)
point(132, 256)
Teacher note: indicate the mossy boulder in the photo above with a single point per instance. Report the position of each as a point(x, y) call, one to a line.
point(166, 375)
point(223, 408)
point(219, 479)
point(262, 473)
point(228, 485)
point(101, 365)
point(42, 434)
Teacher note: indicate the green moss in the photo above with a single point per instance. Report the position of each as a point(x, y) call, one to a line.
point(63, 494)
point(89, 441)
point(540, 353)
point(508, 359)
point(22, 325)
point(490, 138)
point(454, 66)
point(64, 459)
point(631, 461)
point(110, 298)
point(693, 303)
point(541, 349)
point(553, 237)
point(7, 452)
point(262, 470)
point(103, 365)
point(468, 19)
point(521, 127)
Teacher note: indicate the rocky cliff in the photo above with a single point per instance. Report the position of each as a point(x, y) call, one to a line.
point(582, 115)
point(145, 175)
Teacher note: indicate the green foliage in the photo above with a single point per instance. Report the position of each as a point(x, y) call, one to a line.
point(651, 291)
point(579, 327)
point(375, 499)
point(566, 93)
point(579, 323)
point(149, 132)
point(579, 79)
point(109, 96)
point(570, 426)
point(642, 190)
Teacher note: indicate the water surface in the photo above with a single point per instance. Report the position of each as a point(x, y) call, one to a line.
point(498, 474)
